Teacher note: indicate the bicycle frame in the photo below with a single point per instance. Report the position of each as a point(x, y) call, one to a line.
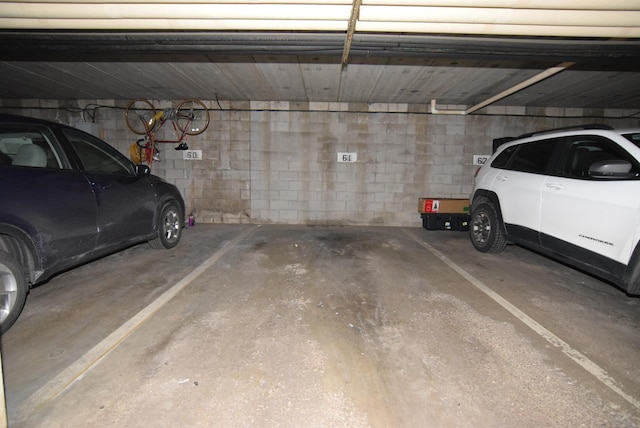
point(186, 119)
point(159, 119)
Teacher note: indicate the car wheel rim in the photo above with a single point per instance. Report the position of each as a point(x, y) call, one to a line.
point(171, 226)
point(8, 292)
point(481, 228)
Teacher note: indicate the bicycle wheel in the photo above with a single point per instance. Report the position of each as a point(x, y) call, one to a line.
point(140, 116)
point(192, 117)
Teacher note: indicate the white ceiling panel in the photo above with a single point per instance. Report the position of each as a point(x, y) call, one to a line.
point(284, 78)
point(458, 52)
point(459, 84)
point(321, 81)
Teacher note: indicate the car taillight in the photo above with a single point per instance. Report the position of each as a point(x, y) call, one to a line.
point(477, 171)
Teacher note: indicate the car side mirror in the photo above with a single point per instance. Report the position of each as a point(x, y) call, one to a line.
point(142, 170)
point(613, 168)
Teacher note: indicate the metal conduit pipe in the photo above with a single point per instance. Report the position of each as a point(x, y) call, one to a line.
point(517, 49)
point(529, 82)
point(62, 44)
point(500, 30)
point(315, 25)
point(520, 86)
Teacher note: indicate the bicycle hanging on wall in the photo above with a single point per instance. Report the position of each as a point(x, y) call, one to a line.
point(190, 117)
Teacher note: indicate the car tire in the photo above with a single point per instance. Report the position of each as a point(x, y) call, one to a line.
point(631, 277)
point(485, 229)
point(13, 290)
point(170, 224)
point(633, 289)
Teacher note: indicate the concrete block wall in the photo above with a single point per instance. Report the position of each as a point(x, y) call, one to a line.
point(297, 178)
point(277, 162)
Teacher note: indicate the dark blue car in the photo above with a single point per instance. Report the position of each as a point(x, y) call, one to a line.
point(67, 197)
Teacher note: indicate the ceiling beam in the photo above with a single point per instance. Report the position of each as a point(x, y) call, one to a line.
point(351, 29)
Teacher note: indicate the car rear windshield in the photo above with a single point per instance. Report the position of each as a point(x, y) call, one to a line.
point(633, 137)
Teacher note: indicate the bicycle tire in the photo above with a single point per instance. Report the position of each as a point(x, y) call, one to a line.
point(139, 115)
point(192, 117)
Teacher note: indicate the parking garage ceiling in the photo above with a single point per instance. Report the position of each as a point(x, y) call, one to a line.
point(465, 53)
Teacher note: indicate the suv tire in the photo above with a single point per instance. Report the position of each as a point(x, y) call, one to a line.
point(485, 229)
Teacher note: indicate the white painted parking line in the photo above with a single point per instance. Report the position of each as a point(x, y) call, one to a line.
point(591, 367)
point(84, 364)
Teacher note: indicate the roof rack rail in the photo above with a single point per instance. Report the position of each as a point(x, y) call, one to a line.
point(497, 142)
point(568, 128)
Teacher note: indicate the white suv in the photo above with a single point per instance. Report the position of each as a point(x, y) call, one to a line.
point(572, 194)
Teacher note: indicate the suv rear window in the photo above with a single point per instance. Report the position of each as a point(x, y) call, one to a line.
point(531, 157)
point(502, 160)
point(634, 138)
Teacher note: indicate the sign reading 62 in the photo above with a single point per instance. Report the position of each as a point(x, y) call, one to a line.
point(480, 159)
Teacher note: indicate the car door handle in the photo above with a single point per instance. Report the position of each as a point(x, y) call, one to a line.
point(101, 186)
point(502, 178)
point(555, 186)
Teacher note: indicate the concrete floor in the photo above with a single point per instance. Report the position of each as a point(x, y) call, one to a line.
point(289, 326)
